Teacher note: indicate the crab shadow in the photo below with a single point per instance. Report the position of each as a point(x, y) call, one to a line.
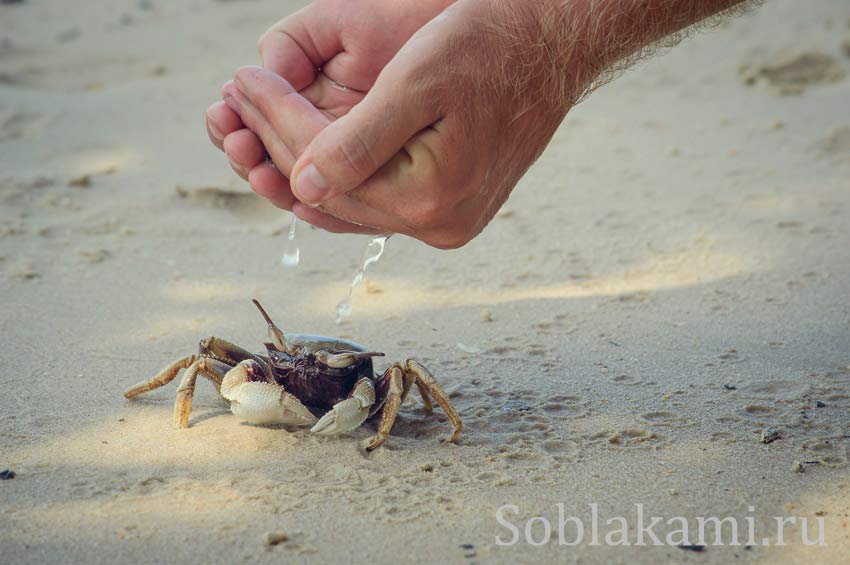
point(209, 415)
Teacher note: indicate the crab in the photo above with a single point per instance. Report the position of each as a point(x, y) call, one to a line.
point(302, 380)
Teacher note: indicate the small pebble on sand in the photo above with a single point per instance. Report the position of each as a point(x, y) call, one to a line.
point(372, 288)
point(769, 435)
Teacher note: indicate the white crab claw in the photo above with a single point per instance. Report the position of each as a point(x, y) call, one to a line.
point(345, 416)
point(348, 414)
point(265, 403)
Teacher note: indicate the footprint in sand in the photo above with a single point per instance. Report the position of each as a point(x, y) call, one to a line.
point(722, 437)
point(561, 324)
point(627, 437)
point(242, 204)
point(775, 391)
point(627, 380)
point(24, 270)
point(494, 478)
point(790, 76)
point(14, 125)
point(566, 406)
point(835, 146)
point(519, 455)
point(829, 452)
point(662, 418)
point(560, 449)
point(757, 410)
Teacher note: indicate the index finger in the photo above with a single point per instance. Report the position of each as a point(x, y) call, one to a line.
point(299, 44)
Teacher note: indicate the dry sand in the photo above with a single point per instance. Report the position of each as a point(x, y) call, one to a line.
point(670, 279)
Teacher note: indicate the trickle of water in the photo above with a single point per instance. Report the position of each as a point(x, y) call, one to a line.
point(372, 254)
point(292, 254)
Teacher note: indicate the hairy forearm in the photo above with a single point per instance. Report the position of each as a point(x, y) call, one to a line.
point(590, 40)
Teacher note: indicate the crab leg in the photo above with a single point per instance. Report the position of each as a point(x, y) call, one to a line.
point(426, 398)
point(223, 350)
point(348, 414)
point(390, 411)
point(424, 378)
point(211, 369)
point(162, 378)
point(213, 347)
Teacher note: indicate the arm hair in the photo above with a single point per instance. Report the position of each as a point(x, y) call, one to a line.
point(588, 43)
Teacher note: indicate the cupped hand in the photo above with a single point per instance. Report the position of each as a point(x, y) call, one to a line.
point(331, 52)
point(440, 140)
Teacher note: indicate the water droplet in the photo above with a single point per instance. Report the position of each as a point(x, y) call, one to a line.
point(292, 254)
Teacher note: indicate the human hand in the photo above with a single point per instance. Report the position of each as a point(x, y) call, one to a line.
point(350, 42)
point(438, 143)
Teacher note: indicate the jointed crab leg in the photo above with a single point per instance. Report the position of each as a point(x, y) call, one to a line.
point(426, 398)
point(391, 406)
point(210, 368)
point(424, 378)
point(211, 347)
point(162, 378)
point(223, 350)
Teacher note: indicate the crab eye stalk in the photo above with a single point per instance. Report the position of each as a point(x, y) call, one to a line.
point(275, 334)
point(343, 359)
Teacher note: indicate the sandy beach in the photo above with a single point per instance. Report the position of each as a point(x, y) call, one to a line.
point(657, 322)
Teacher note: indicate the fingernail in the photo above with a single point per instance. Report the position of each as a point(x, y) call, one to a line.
point(231, 103)
point(311, 186)
point(238, 168)
point(215, 131)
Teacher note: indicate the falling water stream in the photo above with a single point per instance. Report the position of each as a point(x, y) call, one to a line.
point(371, 255)
point(292, 256)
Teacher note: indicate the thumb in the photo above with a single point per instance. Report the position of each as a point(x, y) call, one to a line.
point(350, 150)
